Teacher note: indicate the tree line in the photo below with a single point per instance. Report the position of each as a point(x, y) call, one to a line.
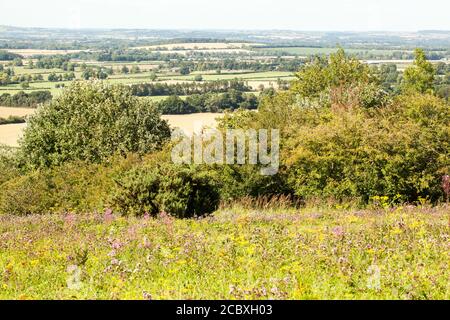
point(188, 88)
point(208, 102)
point(23, 99)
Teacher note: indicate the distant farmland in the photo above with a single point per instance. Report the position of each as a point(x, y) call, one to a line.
point(307, 51)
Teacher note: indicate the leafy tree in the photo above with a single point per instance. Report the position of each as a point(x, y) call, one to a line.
point(135, 69)
point(339, 81)
point(125, 70)
point(92, 121)
point(185, 70)
point(53, 77)
point(18, 62)
point(420, 76)
point(174, 105)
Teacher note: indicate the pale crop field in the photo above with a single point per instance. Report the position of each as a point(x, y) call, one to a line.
point(188, 123)
point(11, 133)
point(193, 123)
point(5, 112)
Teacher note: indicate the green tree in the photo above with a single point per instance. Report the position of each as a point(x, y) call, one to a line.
point(18, 62)
point(92, 121)
point(420, 76)
point(153, 76)
point(185, 70)
point(340, 81)
point(135, 69)
point(125, 70)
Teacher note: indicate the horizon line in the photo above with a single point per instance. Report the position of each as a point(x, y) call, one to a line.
point(223, 29)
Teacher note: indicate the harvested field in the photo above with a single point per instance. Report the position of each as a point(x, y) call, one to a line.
point(10, 134)
point(20, 112)
point(189, 123)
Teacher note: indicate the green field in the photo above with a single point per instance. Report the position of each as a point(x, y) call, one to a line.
point(235, 254)
point(142, 77)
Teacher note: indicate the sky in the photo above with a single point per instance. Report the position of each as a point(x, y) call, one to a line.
point(311, 15)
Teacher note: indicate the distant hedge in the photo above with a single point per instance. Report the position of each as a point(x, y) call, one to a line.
point(8, 56)
point(12, 119)
point(23, 99)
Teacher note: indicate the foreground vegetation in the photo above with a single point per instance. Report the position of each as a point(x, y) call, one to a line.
point(343, 137)
point(98, 157)
point(398, 253)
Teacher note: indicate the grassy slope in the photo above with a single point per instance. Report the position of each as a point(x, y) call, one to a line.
point(307, 254)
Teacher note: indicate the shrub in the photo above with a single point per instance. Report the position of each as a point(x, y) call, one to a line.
point(241, 181)
point(8, 164)
point(92, 121)
point(182, 191)
point(72, 187)
point(400, 152)
point(28, 194)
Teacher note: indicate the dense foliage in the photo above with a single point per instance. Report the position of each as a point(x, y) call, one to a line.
point(347, 136)
point(208, 102)
point(180, 190)
point(5, 55)
point(92, 121)
point(188, 88)
point(25, 99)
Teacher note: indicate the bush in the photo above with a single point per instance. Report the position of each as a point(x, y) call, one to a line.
point(72, 187)
point(12, 119)
point(8, 164)
point(181, 191)
point(28, 194)
point(240, 181)
point(92, 121)
point(400, 152)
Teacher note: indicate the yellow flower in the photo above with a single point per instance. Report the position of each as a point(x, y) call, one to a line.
point(415, 224)
point(251, 250)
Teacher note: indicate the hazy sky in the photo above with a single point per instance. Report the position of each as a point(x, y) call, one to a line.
point(357, 15)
